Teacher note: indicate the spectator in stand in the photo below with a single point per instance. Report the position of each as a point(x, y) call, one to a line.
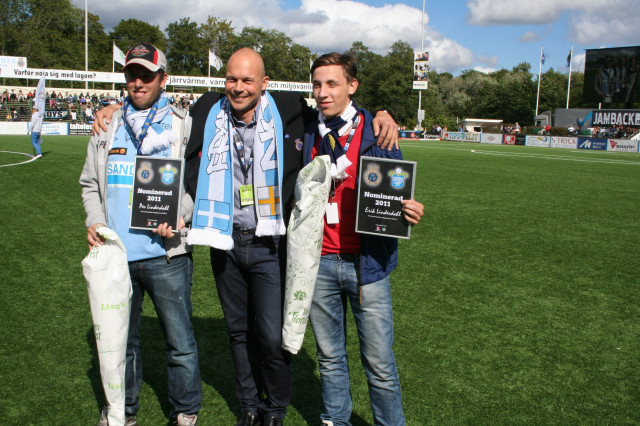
point(21, 96)
point(517, 128)
point(88, 114)
point(14, 113)
point(12, 96)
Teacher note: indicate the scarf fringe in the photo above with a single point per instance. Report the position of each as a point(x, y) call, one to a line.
point(339, 169)
point(155, 143)
point(266, 228)
point(202, 237)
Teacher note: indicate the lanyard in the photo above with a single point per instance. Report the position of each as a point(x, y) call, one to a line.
point(147, 122)
point(244, 164)
point(352, 131)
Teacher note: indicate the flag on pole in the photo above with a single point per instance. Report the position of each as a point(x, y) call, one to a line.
point(214, 61)
point(542, 57)
point(41, 95)
point(118, 56)
point(569, 57)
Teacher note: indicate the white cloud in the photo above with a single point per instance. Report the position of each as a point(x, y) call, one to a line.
point(490, 61)
point(590, 21)
point(513, 12)
point(621, 24)
point(321, 25)
point(485, 70)
point(529, 37)
point(577, 63)
point(446, 54)
point(349, 21)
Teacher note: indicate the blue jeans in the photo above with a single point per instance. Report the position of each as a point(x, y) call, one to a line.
point(336, 284)
point(169, 286)
point(251, 290)
point(35, 141)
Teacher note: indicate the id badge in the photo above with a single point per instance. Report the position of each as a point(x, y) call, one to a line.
point(246, 195)
point(331, 213)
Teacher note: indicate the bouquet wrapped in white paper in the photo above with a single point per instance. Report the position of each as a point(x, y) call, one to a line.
point(304, 247)
point(109, 285)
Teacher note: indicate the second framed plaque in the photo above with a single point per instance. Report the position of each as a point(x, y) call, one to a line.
point(382, 185)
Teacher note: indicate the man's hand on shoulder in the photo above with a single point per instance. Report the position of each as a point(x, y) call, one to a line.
point(103, 117)
point(385, 126)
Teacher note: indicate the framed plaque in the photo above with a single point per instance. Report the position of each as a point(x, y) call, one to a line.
point(382, 185)
point(157, 191)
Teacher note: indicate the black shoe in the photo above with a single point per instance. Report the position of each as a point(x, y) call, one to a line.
point(271, 420)
point(249, 419)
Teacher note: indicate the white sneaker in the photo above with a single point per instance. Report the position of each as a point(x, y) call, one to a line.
point(104, 419)
point(38, 156)
point(187, 419)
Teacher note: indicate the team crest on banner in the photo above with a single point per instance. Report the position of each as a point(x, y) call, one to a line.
point(373, 175)
point(168, 172)
point(398, 177)
point(145, 173)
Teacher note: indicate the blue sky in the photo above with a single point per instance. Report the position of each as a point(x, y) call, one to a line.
point(459, 34)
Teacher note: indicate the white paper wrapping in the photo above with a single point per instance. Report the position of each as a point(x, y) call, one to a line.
point(109, 285)
point(304, 247)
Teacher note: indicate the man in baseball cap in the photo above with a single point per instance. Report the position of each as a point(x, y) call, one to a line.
point(148, 56)
point(160, 263)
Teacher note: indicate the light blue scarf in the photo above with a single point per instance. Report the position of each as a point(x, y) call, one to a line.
point(213, 211)
point(151, 138)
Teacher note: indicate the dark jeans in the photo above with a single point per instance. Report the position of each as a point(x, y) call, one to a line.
point(169, 286)
point(250, 285)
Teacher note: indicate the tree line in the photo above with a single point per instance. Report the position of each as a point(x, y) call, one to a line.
point(50, 33)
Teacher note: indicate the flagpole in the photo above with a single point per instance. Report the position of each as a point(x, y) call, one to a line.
point(310, 82)
point(539, 74)
point(419, 126)
point(569, 83)
point(113, 64)
point(86, 43)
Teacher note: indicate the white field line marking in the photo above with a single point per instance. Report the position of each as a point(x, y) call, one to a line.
point(31, 158)
point(558, 157)
point(541, 156)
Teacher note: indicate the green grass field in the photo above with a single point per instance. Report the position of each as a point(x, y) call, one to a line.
point(516, 300)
